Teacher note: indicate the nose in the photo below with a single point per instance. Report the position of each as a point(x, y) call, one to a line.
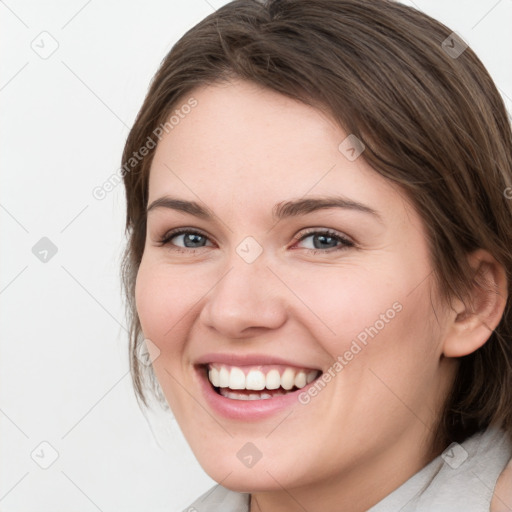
point(246, 299)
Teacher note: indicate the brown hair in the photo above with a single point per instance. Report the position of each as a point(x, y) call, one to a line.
point(431, 120)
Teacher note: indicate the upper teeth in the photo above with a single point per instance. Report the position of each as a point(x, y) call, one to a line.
point(234, 377)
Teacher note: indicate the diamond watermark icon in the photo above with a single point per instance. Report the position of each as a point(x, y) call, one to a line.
point(44, 455)
point(45, 45)
point(454, 45)
point(147, 352)
point(454, 455)
point(249, 455)
point(44, 250)
point(249, 249)
point(351, 147)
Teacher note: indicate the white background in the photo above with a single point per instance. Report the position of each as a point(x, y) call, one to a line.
point(63, 354)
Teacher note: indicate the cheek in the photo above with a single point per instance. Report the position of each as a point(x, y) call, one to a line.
point(383, 345)
point(379, 316)
point(344, 301)
point(161, 302)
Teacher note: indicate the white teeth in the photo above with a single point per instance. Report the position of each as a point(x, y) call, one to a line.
point(288, 378)
point(213, 374)
point(300, 379)
point(234, 378)
point(311, 376)
point(223, 378)
point(273, 379)
point(255, 380)
point(240, 396)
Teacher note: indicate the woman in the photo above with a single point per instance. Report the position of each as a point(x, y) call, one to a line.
point(319, 259)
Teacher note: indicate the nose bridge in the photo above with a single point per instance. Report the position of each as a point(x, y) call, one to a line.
point(247, 296)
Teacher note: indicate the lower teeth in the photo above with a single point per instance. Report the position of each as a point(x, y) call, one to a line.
point(233, 395)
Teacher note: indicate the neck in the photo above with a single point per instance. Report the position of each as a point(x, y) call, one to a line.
point(358, 488)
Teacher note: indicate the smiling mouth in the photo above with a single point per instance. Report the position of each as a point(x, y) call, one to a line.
point(257, 382)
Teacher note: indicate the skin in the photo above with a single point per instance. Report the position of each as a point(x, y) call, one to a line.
point(502, 497)
point(242, 150)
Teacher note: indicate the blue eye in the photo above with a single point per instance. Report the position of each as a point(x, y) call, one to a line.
point(190, 238)
point(325, 240)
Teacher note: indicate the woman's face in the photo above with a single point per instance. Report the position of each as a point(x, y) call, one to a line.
point(295, 258)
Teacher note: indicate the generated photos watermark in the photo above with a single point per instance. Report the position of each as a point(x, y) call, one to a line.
point(101, 191)
point(358, 344)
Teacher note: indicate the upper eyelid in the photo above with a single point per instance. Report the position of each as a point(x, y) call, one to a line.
point(330, 231)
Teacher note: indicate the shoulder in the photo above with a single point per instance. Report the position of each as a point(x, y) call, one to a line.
point(502, 497)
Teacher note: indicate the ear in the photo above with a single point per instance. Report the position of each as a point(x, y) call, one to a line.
point(475, 319)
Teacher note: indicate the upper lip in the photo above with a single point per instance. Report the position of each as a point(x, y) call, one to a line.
point(249, 360)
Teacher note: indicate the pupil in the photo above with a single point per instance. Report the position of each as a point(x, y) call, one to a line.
point(194, 239)
point(324, 239)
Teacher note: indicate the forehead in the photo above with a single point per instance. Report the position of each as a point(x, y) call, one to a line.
point(248, 145)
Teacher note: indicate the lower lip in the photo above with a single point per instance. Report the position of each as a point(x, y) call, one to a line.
point(247, 410)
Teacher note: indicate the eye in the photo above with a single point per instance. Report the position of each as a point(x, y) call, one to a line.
point(188, 239)
point(183, 239)
point(325, 241)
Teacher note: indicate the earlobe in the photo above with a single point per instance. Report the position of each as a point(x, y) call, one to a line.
point(475, 319)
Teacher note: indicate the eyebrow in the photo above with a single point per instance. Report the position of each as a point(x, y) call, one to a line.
point(284, 209)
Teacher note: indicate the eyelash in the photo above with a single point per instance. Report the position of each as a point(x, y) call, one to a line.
point(345, 242)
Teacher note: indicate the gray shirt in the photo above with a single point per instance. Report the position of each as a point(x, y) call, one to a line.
point(461, 479)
